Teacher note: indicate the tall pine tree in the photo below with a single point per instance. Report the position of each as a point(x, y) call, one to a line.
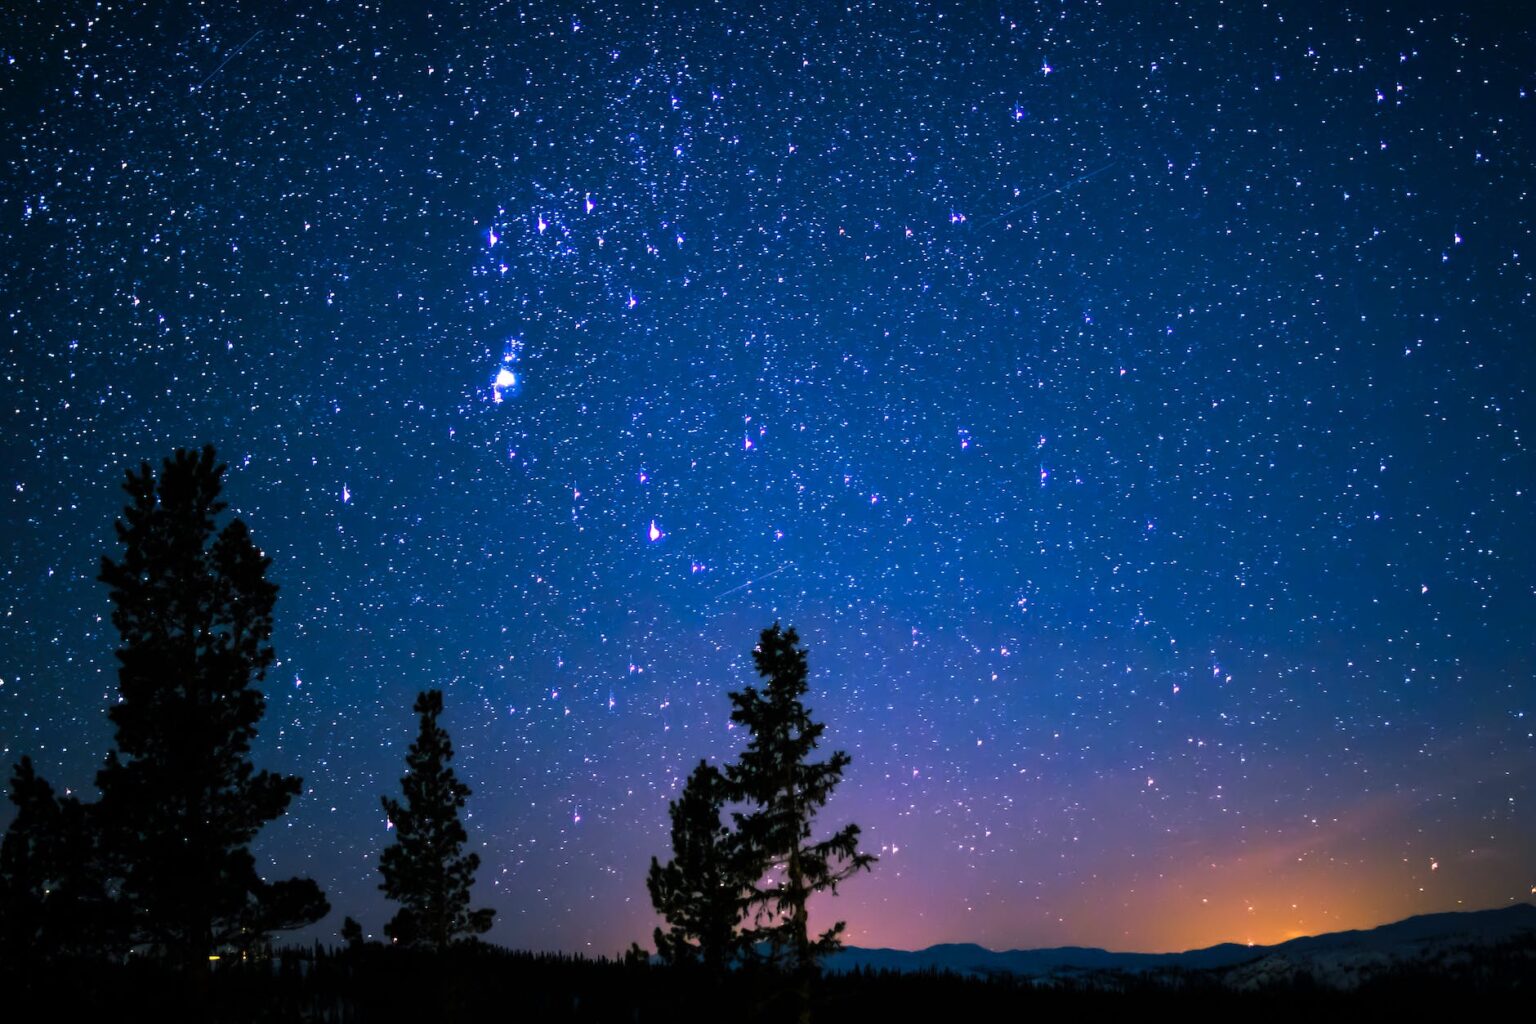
point(180, 799)
point(781, 790)
point(701, 891)
point(426, 870)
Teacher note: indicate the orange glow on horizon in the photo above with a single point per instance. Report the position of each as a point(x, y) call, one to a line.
point(1260, 897)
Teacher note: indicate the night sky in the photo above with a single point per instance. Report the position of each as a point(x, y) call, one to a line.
point(1130, 404)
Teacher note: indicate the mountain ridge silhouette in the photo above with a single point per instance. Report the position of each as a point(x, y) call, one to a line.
point(1408, 936)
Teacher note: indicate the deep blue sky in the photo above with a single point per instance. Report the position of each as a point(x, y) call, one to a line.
point(1128, 403)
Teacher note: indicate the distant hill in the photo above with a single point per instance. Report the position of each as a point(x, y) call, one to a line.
point(1338, 959)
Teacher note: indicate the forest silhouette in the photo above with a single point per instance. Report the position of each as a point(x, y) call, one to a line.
point(147, 903)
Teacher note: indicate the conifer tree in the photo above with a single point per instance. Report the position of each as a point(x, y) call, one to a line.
point(52, 894)
point(426, 870)
point(700, 891)
point(28, 864)
point(352, 934)
point(781, 790)
point(180, 799)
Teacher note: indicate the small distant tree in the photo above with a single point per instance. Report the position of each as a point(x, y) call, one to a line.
point(426, 870)
point(52, 894)
point(351, 934)
point(29, 865)
point(781, 790)
point(701, 891)
point(180, 800)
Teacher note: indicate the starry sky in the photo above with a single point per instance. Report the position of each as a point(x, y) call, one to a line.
point(1128, 403)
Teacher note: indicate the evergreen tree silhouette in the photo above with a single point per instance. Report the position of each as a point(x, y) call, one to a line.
point(426, 870)
point(352, 933)
point(52, 894)
point(701, 890)
point(180, 800)
point(29, 865)
point(781, 790)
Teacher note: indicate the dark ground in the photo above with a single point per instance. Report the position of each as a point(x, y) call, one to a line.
point(490, 984)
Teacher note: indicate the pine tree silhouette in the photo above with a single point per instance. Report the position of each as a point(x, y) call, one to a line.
point(180, 799)
point(351, 934)
point(782, 790)
point(426, 870)
point(29, 865)
point(52, 896)
point(701, 890)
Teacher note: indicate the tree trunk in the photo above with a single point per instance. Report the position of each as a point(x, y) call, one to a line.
point(798, 920)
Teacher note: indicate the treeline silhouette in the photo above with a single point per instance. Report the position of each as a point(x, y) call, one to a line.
point(154, 881)
point(475, 981)
point(146, 904)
